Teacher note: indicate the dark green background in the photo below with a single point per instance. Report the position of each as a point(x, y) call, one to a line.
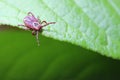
point(22, 59)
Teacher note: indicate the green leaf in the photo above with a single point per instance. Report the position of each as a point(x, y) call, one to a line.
point(22, 59)
point(92, 24)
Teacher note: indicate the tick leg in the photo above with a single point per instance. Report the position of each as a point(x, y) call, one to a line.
point(30, 13)
point(24, 27)
point(43, 22)
point(49, 23)
point(37, 38)
point(34, 32)
point(36, 35)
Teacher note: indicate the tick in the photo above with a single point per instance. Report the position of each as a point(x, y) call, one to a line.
point(34, 24)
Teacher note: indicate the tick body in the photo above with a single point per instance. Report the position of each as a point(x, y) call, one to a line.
point(34, 24)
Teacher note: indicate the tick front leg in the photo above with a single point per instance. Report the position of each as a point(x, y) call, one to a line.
point(43, 22)
point(51, 23)
point(48, 23)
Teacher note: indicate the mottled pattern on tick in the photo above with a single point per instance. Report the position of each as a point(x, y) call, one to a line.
point(31, 21)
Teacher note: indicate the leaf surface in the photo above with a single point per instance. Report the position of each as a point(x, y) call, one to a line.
point(92, 24)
